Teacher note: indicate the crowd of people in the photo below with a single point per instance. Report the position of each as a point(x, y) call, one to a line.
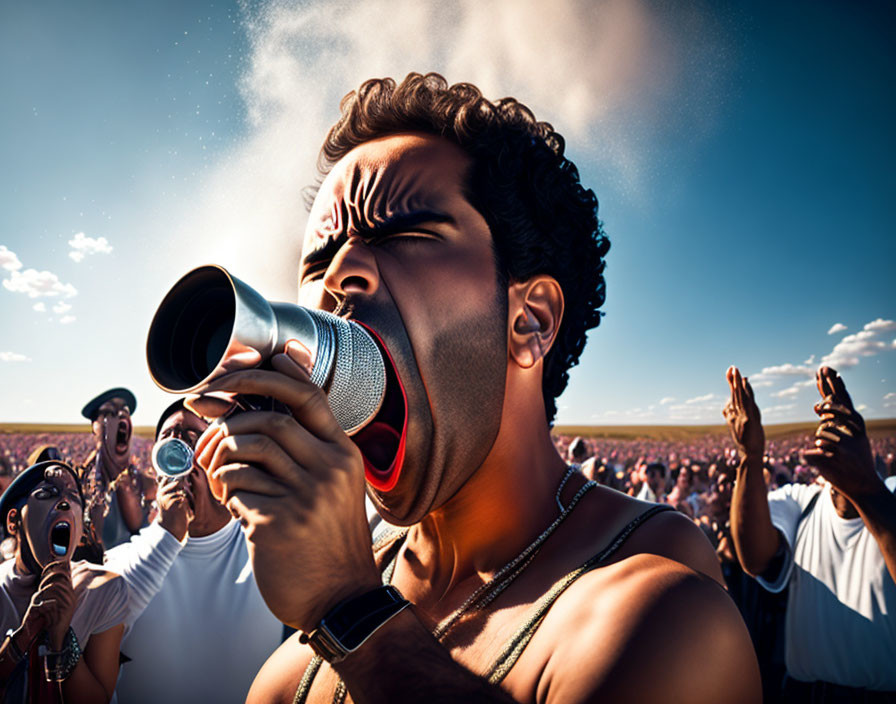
point(451, 550)
point(695, 475)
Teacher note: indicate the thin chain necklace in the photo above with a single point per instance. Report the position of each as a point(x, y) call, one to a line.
point(503, 578)
point(487, 592)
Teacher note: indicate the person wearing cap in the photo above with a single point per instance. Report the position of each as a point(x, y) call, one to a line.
point(116, 503)
point(63, 619)
point(197, 628)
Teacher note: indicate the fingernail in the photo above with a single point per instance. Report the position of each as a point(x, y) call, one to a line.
point(299, 354)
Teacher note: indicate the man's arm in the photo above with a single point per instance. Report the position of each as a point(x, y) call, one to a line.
point(756, 539)
point(93, 679)
point(145, 560)
point(400, 662)
point(843, 456)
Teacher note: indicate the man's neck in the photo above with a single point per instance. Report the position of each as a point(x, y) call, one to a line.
point(26, 566)
point(843, 506)
point(512, 494)
point(108, 466)
point(204, 525)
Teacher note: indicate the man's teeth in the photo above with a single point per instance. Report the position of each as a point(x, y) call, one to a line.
point(59, 538)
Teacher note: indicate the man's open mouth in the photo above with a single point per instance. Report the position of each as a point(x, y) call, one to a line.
point(382, 441)
point(122, 437)
point(60, 535)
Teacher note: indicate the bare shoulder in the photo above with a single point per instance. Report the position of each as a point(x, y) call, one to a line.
point(87, 575)
point(644, 629)
point(279, 678)
point(668, 534)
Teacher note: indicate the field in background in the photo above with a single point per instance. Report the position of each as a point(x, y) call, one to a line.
point(667, 433)
point(677, 433)
point(143, 431)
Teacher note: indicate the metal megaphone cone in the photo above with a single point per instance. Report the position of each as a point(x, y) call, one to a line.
point(209, 316)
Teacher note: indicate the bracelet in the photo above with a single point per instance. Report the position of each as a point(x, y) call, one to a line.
point(58, 665)
point(11, 645)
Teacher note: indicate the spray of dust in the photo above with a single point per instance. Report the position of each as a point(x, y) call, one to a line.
point(608, 75)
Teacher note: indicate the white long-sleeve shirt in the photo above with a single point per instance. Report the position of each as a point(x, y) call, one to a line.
point(198, 628)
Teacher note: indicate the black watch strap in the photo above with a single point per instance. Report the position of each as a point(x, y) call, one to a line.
point(348, 624)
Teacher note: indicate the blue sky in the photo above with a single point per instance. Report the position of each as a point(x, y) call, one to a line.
point(741, 152)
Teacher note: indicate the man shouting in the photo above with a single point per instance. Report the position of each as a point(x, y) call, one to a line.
point(455, 230)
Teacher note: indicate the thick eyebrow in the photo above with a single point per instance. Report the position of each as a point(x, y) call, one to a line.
point(400, 222)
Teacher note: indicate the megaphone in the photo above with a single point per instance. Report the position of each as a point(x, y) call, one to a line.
point(209, 317)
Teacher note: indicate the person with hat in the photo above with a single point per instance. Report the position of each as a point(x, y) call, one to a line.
point(116, 504)
point(63, 619)
point(191, 590)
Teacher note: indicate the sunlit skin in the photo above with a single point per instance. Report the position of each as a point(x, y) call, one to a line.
point(56, 499)
point(478, 484)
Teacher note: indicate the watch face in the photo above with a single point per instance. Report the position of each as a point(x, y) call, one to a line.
point(348, 625)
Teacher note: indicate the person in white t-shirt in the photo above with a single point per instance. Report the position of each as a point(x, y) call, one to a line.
point(834, 545)
point(654, 487)
point(198, 629)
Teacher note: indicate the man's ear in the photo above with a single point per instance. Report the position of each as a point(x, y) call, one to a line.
point(535, 309)
point(12, 521)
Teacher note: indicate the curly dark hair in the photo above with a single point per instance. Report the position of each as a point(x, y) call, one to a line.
point(542, 220)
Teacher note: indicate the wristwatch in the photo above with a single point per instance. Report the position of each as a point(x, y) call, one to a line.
point(348, 624)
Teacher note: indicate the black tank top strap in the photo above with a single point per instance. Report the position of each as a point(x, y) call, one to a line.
point(512, 651)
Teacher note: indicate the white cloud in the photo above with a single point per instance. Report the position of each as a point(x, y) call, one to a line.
point(66, 319)
point(13, 357)
point(836, 327)
point(40, 307)
point(861, 407)
point(666, 399)
point(8, 259)
point(881, 325)
point(795, 389)
point(889, 396)
point(82, 246)
point(783, 370)
point(761, 383)
point(36, 284)
point(61, 307)
point(810, 361)
point(847, 352)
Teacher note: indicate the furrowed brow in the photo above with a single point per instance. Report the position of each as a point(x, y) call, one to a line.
point(389, 226)
point(402, 222)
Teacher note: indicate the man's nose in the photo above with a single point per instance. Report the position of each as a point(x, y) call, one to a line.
point(63, 505)
point(353, 270)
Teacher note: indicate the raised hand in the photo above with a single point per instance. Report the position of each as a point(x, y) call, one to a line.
point(842, 452)
point(296, 483)
point(175, 511)
point(53, 604)
point(742, 414)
